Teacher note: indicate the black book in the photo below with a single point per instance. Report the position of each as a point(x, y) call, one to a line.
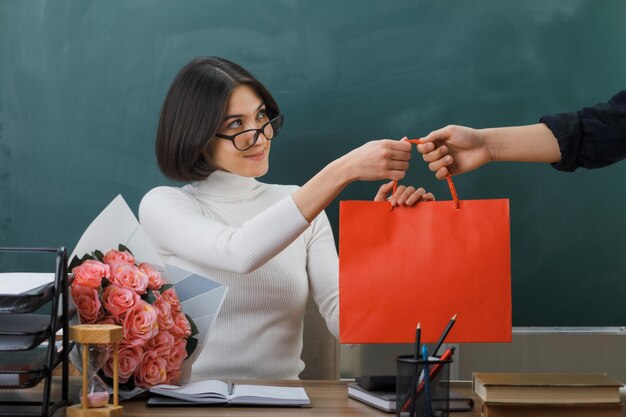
point(386, 401)
point(377, 382)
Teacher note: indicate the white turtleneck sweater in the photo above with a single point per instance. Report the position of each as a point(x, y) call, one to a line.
point(251, 237)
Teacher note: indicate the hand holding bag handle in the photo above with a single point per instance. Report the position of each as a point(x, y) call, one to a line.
point(455, 197)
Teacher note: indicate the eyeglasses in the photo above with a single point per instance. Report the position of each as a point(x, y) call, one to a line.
point(244, 140)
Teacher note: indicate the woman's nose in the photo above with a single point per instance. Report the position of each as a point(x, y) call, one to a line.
point(261, 138)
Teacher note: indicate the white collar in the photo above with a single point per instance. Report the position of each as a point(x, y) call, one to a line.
point(226, 184)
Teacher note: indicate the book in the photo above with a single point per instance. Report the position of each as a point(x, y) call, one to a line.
point(218, 392)
point(386, 401)
point(535, 388)
point(377, 382)
point(551, 410)
point(14, 283)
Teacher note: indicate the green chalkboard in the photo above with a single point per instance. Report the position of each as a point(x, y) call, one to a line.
point(82, 82)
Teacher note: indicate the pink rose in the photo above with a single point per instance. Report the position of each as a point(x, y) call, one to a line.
point(164, 312)
point(129, 360)
point(161, 343)
point(152, 370)
point(171, 297)
point(118, 300)
point(90, 273)
point(114, 257)
point(129, 276)
point(155, 281)
point(173, 377)
point(177, 354)
point(181, 327)
point(140, 324)
point(87, 302)
point(106, 320)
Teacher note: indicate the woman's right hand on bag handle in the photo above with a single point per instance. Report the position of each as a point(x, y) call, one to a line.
point(376, 160)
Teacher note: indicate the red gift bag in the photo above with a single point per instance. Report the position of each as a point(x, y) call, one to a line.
point(424, 264)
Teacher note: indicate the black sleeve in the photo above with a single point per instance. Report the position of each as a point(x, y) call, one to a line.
point(593, 137)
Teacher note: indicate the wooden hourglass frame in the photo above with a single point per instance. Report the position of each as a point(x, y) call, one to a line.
point(87, 334)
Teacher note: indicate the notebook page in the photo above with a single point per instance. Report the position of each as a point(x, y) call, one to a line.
point(13, 283)
point(276, 395)
point(198, 389)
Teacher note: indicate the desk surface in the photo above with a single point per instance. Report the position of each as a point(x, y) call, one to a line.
point(328, 398)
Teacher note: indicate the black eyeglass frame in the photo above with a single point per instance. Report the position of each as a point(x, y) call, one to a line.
point(256, 135)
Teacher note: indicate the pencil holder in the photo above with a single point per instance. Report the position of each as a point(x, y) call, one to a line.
point(422, 387)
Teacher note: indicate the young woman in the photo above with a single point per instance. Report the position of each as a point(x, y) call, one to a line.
point(270, 244)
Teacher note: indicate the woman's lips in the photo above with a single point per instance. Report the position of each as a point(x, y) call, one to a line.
point(256, 156)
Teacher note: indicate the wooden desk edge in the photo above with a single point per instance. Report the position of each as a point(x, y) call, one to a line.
point(328, 398)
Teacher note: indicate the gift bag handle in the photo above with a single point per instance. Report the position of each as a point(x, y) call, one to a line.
point(455, 197)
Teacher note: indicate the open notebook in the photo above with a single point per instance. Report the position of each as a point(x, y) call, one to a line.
point(217, 392)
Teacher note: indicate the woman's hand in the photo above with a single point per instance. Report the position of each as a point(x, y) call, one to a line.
point(407, 196)
point(383, 159)
point(377, 160)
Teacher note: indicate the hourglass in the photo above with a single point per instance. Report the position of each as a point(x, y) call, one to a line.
point(94, 399)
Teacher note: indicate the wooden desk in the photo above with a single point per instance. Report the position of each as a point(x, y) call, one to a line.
point(328, 398)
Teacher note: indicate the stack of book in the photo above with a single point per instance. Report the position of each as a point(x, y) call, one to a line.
point(385, 400)
point(547, 395)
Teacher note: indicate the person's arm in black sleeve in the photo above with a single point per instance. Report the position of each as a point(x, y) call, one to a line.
point(593, 137)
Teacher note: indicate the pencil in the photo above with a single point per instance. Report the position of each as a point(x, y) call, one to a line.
point(418, 332)
point(412, 398)
point(444, 334)
point(429, 404)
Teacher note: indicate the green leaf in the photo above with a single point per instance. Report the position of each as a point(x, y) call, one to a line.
point(194, 328)
point(76, 262)
point(192, 343)
point(98, 255)
point(123, 248)
point(149, 297)
point(165, 287)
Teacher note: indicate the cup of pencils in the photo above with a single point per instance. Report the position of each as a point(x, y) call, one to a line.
point(423, 386)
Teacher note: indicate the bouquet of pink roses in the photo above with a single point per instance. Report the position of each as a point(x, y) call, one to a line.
point(113, 288)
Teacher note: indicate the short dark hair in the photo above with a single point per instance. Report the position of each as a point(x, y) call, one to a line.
point(193, 111)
